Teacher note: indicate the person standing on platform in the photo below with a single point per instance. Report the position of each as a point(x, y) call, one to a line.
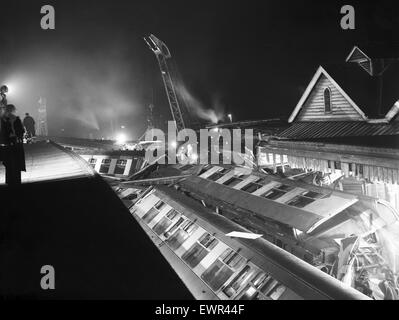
point(11, 143)
point(3, 96)
point(3, 105)
point(29, 124)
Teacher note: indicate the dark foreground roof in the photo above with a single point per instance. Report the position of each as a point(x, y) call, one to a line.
point(80, 227)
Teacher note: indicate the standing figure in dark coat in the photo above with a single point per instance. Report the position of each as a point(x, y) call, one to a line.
point(29, 124)
point(3, 105)
point(11, 143)
point(3, 96)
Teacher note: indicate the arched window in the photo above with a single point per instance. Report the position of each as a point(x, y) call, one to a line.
point(327, 100)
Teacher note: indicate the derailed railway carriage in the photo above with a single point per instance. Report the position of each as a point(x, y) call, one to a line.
point(234, 233)
point(213, 265)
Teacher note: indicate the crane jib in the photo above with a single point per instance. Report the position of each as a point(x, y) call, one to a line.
point(162, 53)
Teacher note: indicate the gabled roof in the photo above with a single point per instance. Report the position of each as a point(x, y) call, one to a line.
point(371, 96)
point(356, 54)
point(321, 71)
point(375, 51)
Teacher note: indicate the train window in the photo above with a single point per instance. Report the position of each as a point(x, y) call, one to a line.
point(174, 227)
point(150, 215)
point(251, 187)
point(273, 194)
point(250, 293)
point(233, 181)
point(92, 162)
point(165, 222)
point(217, 175)
point(222, 269)
point(258, 279)
point(199, 250)
point(304, 199)
point(159, 205)
point(204, 169)
point(172, 214)
point(189, 226)
point(268, 285)
point(277, 191)
point(153, 212)
point(217, 274)
point(285, 187)
point(208, 241)
point(185, 230)
point(277, 291)
point(312, 194)
point(238, 282)
point(233, 259)
point(194, 255)
point(300, 202)
point(105, 164)
point(120, 166)
point(130, 197)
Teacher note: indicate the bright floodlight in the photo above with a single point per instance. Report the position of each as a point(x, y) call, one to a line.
point(173, 144)
point(121, 138)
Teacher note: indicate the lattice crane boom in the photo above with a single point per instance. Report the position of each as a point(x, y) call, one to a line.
point(162, 53)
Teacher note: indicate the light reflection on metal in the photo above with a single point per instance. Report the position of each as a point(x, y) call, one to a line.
point(244, 235)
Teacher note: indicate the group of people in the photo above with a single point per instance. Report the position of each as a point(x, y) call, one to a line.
point(12, 132)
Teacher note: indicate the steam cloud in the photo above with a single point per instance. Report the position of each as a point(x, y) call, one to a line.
point(196, 107)
point(87, 93)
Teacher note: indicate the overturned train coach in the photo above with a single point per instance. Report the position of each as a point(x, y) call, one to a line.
point(232, 233)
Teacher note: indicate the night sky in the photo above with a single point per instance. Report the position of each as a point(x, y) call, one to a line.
point(251, 59)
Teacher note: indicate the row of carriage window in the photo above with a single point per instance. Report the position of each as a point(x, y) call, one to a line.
point(300, 201)
point(230, 275)
point(106, 164)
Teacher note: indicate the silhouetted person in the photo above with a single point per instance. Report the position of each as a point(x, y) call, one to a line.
point(3, 96)
point(3, 104)
point(11, 143)
point(29, 124)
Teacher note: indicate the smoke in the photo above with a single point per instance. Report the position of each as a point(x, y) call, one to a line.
point(86, 93)
point(84, 116)
point(196, 107)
